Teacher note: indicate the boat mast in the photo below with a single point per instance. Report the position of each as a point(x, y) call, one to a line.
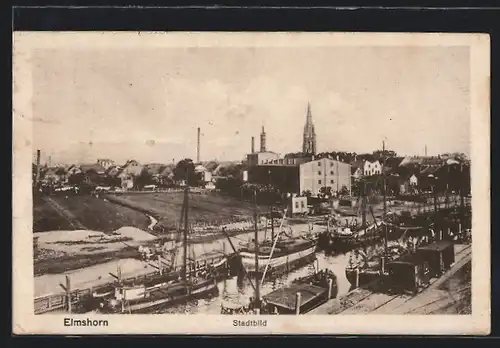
point(384, 194)
point(186, 196)
point(257, 290)
point(272, 208)
point(363, 203)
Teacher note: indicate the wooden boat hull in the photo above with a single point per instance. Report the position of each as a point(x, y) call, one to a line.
point(163, 299)
point(277, 264)
point(331, 242)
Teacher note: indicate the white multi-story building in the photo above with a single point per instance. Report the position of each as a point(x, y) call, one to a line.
point(324, 172)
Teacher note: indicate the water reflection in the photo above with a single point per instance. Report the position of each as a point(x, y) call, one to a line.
point(238, 291)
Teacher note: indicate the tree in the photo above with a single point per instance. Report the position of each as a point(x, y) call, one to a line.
point(185, 169)
point(380, 154)
point(296, 155)
point(344, 191)
point(144, 178)
point(307, 193)
point(76, 179)
point(325, 192)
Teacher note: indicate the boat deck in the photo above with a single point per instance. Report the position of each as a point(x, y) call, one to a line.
point(363, 301)
point(286, 297)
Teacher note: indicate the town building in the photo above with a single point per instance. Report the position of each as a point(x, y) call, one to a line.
point(285, 177)
point(298, 205)
point(204, 173)
point(105, 163)
point(324, 172)
point(263, 156)
point(413, 180)
point(296, 174)
point(363, 168)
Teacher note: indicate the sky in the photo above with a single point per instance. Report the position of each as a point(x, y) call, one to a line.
point(146, 104)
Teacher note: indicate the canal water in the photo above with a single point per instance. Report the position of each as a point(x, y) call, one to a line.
point(238, 292)
point(234, 291)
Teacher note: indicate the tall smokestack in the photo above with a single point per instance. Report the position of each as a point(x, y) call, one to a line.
point(198, 147)
point(263, 140)
point(253, 144)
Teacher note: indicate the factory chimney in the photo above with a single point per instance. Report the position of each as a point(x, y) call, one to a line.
point(198, 147)
point(253, 145)
point(263, 140)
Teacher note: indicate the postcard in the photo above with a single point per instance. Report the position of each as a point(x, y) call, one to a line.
point(251, 183)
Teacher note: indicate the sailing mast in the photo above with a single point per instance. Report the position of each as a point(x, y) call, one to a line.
point(257, 287)
point(185, 242)
point(363, 203)
point(384, 195)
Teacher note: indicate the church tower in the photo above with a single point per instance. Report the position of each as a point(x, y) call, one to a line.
point(263, 140)
point(309, 142)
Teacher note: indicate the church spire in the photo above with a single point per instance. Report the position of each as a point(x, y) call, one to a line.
point(309, 142)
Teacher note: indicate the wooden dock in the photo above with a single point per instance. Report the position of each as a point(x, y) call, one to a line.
point(59, 301)
point(364, 301)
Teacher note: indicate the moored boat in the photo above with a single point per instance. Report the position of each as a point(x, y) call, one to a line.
point(142, 299)
point(287, 254)
point(163, 290)
point(299, 297)
point(362, 269)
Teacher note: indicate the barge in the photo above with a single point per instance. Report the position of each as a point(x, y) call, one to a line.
point(301, 296)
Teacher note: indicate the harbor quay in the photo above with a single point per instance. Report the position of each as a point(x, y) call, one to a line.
point(436, 297)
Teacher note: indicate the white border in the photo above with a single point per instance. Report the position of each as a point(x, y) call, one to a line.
point(25, 322)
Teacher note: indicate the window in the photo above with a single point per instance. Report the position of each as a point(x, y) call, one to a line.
point(331, 181)
point(331, 164)
point(319, 172)
point(302, 204)
point(319, 182)
point(331, 172)
point(296, 205)
point(319, 164)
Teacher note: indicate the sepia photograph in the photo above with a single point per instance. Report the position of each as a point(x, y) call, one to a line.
point(251, 183)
